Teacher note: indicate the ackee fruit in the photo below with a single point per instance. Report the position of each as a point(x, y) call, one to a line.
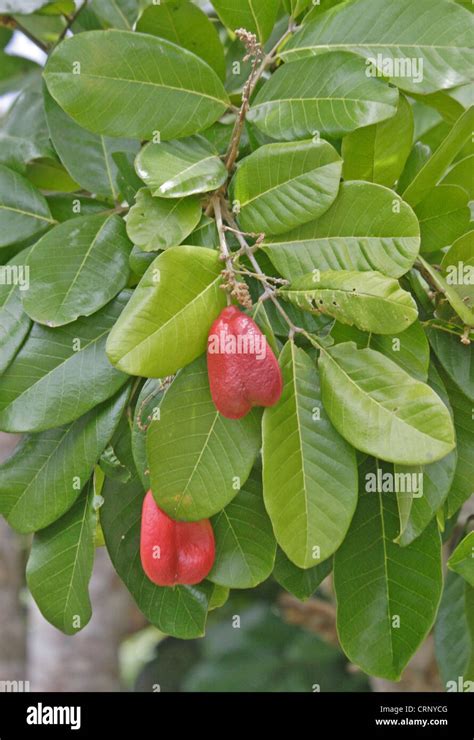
point(243, 371)
point(174, 553)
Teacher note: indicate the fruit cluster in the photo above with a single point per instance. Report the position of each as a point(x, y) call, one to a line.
point(243, 372)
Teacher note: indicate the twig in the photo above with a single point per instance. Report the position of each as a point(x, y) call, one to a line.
point(7, 21)
point(70, 20)
point(259, 65)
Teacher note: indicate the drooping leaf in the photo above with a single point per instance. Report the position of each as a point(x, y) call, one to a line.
point(281, 186)
point(368, 300)
point(387, 595)
point(198, 459)
point(60, 566)
point(159, 223)
point(47, 471)
point(180, 611)
point(381, 410)
point(245, 545)
point(187, 26)
point(163, 327)
point(383, 237)
point(68, 265)
point(146, 409)
point(24, 211)
point(424, 489)
point(110, 81)
point(458, 268)
point(301, 582)
point(410, 349)
point(86, 156)
point(309, 471)
point(421, 48)
point(14, 323)
point(378, 153)
point(444, 216)
point(253, 15)
point(66, 368)
point(329, 94)
point(461, 174)
point(431, 172)
point(456, 358)
point(462, 487)
point(462, 559)
point(183, 167)
point(454, 633)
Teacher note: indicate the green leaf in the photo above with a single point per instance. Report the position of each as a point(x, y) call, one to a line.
point(281, 186)
point(301, 582)
point(456, 358)
point(116, 13)
point(66, 368)
point(444, 216)
point(410, 349)
point(47, 471)
point(309, 471)
point(448, 292)
point(68, 265)
point(368, 300)
point(147, 409)
point(219, 596)
point(350, 235)
point(418, 507)
point(328, 94)
point(120, 82)
point(159, 223)
point(462, 559)
point(462, 487)
point(454, 633)
point(49, 174)
point(13, 70)
point(436, 35)
point(205, 234)
point(16, 151)
point(378, 153)
point(198, 459)
point(461, 174)
point(24, 211)
point(164, 328)
point(387, 595)
point(14, 323)
point(435, 167)
point(60, 566)
point(245, 545)
point(177, 168)
point(458, 268)
point(419, 155)
point(86, 156)
point(64, 206)
point(187, 26)
point(253, 15)
point(381, 410)
point(180, 611)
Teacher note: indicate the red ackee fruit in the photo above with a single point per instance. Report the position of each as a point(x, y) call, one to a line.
point(243, 371)
point(172, 552)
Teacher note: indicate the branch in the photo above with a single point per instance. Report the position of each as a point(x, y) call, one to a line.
point(70, 20)
point(259, 65)
point(6, 21)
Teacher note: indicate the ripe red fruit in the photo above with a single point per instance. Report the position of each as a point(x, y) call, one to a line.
point(173, 552)
point(243, 371)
